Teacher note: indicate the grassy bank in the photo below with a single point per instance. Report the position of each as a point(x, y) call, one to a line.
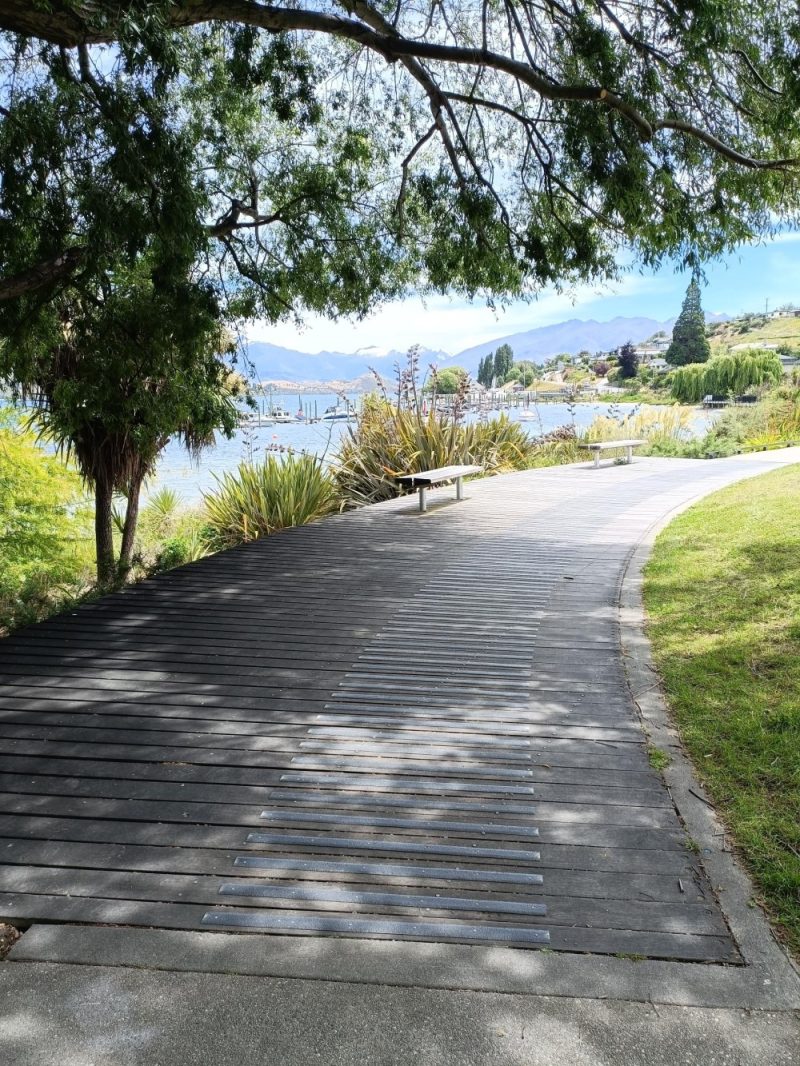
point(722, 594)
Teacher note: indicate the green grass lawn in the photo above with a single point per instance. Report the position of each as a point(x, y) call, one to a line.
point(722, 592)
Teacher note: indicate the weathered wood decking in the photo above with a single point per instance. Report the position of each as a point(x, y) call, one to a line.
point(382, 725)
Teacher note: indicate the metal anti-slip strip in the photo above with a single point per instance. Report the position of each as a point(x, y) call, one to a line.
point(436, 681)
point(421, 785)
point(418, 736)
point(358, 763)
point(500, 722)
point(401, 823)
point(394, 846)
point(406, 749)
point(376, 926)
point(324, 894)
point(382, 799)
point(387, 869)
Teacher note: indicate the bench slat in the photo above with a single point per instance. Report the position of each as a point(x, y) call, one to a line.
point(433, 477)
point(601, 446)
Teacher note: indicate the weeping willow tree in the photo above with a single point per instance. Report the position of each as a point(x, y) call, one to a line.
point(725, 375)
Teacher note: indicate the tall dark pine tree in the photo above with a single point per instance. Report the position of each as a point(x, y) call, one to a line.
point(627, 361)
point(689, 342)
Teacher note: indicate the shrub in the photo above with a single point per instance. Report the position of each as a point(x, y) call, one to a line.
point(45, 529)
point(773, 421)
point(499, 445)
point(162, 508)
point(182, 548)
point(169, 533)
point(259, 499)
point(389, 440)
point(448, 380)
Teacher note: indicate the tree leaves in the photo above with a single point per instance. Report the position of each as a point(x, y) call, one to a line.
point(689, 341)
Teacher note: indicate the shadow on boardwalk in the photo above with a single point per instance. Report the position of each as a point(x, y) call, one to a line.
point(380, 726)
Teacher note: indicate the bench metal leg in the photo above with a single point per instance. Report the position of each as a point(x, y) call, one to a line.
point(629, 454)
point(459, 488)
point(423, 499)
point(596, 459)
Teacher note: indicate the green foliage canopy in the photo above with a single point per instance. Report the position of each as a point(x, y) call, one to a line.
point(117, 377)
point(627, 361)
point(485, 375)
point(325, 157)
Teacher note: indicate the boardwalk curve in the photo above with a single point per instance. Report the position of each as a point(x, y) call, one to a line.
point(385, 725)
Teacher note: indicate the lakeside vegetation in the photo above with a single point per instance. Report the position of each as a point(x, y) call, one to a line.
point(722, 592)
point(722, 359)
point(46, 536)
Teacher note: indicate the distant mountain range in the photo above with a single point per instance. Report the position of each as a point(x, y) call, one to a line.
point(273, 363)
point(571, 337)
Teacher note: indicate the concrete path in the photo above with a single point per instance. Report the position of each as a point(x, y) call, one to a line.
point(99, 1016)
point(414, 745)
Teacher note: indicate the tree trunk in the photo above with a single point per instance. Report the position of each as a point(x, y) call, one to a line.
point(129, 529)
point(103, 532)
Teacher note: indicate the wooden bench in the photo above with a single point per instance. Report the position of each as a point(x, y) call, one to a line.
point(607, 445)
point(424, 479)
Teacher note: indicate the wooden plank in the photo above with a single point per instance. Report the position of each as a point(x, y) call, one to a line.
point(64, 712)
point(307, 802)
point(98, 733)
point(699, 918)
point(671, 863)
point(229, 780)
point(276, 768)
point(189, 916)
point(212, 862)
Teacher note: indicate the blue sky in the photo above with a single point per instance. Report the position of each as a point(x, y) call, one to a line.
point(742, 281)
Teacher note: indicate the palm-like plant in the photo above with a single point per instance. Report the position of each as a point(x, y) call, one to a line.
point(257, 500)
point(123, 378)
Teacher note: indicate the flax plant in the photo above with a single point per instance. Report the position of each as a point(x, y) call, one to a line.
point(259, 499)
point(410, 432)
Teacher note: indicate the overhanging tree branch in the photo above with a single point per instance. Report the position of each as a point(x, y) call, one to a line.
point(72, 25)
point(44, 274)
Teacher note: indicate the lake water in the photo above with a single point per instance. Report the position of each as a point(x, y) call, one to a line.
point(191, 478)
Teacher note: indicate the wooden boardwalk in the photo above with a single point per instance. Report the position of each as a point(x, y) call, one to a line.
point(383, 725)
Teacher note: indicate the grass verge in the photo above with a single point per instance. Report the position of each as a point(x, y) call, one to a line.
point(722, 593)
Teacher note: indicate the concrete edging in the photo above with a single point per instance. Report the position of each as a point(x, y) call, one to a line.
point(769, 962)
